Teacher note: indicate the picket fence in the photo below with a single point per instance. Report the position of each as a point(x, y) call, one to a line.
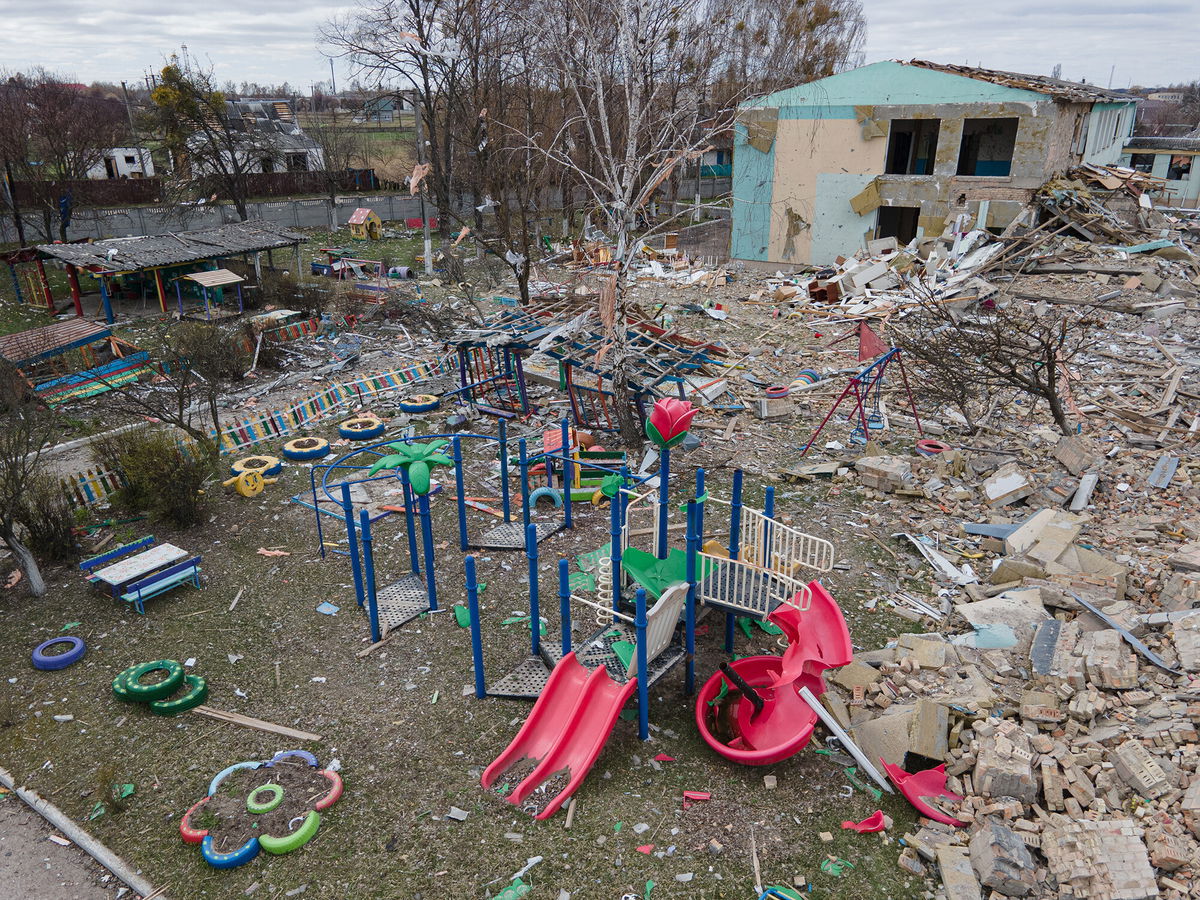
point(91, 487)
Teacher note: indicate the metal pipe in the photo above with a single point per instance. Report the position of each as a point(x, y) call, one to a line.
point(364, 519)
point(456, 445)
point(535, 618)
point(504, 488)
point(410, 501)
point(568, 472)
point(523, 464)
point(564, 605)
point(664, 477)
point(427, 540)
point(693, 549)
point(643, 686)
point(476, 633)
point(352, 538)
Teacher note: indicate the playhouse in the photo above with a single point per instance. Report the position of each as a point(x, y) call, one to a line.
point(365, 225)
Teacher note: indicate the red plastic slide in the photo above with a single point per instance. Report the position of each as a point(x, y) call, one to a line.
point(817, 638)
point(565, 731)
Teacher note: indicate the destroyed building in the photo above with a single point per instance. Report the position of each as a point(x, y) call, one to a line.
point(899, 149)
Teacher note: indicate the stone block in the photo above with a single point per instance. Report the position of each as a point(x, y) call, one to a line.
point(1138, 769)
point(1186, 636)
point(1006, 485)
point(885, 473)
point(1099, 859)
point(1077, 454)
point(1110, 663)
point(1004, 768)
point(1001, 860)
point(958, 876)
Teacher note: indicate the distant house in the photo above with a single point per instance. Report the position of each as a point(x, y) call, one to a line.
point(900, 149)
point(271, 137)
point(1176, 159)
point(124, 162)
point(1166, 96)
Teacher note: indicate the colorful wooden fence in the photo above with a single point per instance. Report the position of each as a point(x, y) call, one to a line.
point(90, 487)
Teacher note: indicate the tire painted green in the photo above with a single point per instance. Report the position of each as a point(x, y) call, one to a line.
point(295, 840)
point(273, 801)
point(196, 694)
point(158, 690)
point(120, 686)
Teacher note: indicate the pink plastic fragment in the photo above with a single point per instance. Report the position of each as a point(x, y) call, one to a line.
point(697, 795)
point(873, 822)
point(662, 757)
point(645, 848)
point(919, 787)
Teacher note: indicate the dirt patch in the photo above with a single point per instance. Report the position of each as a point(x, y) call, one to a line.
point(231, 824)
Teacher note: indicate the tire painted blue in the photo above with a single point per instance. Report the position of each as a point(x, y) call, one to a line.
point(58, 660)
point(265, 471)
point(302, 454)
point(553, 493)
point(414, 405)
point(362, 434)
point(238, 857)
point(286, 754)
point(225, 773)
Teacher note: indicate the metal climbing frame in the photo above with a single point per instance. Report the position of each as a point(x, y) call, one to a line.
point(492, 379)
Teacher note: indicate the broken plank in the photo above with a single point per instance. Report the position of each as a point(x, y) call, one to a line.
point(257, 724)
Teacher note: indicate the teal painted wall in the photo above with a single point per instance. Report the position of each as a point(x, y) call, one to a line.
point(886, 83)
point(837, 230)
point(753, 184)
point(1109, 124)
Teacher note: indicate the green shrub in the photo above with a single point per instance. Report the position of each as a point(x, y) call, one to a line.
point(49, 519)
point(161, 476)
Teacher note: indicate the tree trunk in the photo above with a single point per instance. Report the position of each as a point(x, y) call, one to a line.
point(33, 574)
point(628, 426)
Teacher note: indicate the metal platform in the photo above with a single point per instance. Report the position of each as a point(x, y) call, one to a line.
point(401, 601)
point(526, 681)
point(511, 536)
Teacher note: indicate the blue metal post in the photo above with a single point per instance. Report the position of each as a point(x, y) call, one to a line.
point(689, 626)
point(352, 537)
point(312, 481)
point(364, 519)
point(564, 605)
point(614, 547)
point(104, 298)
point(459, 487)
point(664, 476)
point(568, 473)
point(700, 504)
point(535, 618)
point(427, 540)
point(768, 513)
point(476, 635)
point(410, 501)
point(504, 500)
point(643, 687)
point(523, 464)
point(735, 546)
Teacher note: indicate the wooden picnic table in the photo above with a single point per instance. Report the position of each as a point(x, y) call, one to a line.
point(139, 565)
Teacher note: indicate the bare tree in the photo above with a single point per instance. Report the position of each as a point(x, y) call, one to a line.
point(1021, 345)
point(26, 429)
point(53, 133)
point(213, 151)
point(334, 131)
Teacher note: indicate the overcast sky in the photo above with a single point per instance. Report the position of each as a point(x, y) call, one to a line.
point(271, 41)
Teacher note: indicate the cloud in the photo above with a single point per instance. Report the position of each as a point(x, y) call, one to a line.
point(1146, 43)
point(271, 41)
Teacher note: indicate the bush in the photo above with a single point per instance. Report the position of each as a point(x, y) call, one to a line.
point(161, 476)
point(48, 519)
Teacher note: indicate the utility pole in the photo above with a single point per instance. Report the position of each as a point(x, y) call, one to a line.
point(133, 131)
point(333, 81)
point(11, 197)
point(421, 161)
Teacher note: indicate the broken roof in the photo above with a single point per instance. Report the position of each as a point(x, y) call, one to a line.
point(154, 251)
point(1181, 144)
point(27, 347)
point(1072, 91)
point(360, 216)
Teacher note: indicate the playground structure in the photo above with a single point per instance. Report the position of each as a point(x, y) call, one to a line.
point(646, 605)
point(365, 225)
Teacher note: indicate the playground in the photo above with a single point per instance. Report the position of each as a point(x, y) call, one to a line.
point(413, 736)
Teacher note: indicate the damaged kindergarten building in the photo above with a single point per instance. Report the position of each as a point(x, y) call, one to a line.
point(900, 150)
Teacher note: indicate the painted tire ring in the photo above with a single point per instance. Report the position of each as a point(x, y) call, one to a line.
point(362, 428)
point(225, 773)
point(238, 857)
point(157, 690)
point(776, 391)
point(295, 840)
point(265, 466)
point(306, 448)
point(552, 493)
point(288, 754)
point(335, 791)
point(257, 808)
point(197, 694)
point(52, 662)
point(929, 447)
point(419, 403)
point(120, 686)
point(189, 834)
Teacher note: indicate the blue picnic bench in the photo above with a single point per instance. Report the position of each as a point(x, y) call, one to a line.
point(142, 569)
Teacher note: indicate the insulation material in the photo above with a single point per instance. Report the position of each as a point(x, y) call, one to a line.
point(867, 200)
point(608, 304)
point(796, 223)
point(761, 125)
point(871, 127)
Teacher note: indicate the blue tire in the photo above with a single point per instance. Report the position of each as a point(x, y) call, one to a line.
point(238, 857)
point(286, 754)
point(49, 663)
point(358, 429)
point(266, 466)
point(419, 403)
point(305, 448)
point(554, 494)
point(226, 772)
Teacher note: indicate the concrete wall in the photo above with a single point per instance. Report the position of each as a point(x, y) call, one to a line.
point(792, 199)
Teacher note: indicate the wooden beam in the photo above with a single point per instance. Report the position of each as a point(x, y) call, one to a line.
point(257, 724)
